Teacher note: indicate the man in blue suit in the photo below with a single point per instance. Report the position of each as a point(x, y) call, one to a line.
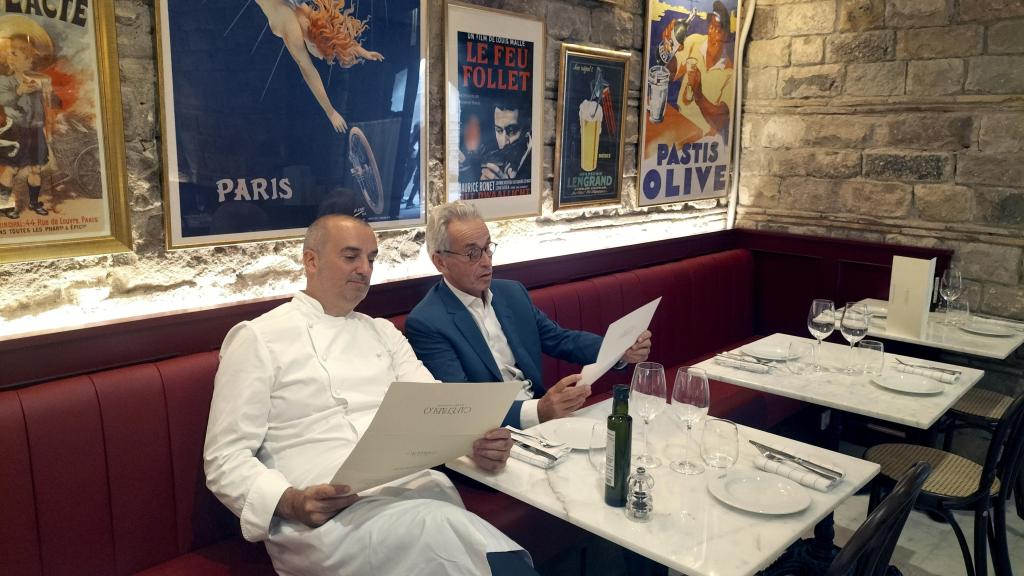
point(471, 328)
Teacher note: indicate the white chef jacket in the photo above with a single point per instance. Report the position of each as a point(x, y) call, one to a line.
point(295, 390)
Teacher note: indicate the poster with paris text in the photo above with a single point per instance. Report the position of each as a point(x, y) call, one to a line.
point(62, 175)
point(689, 90)
point(275, 112)
point(589, 139)
point(493, 115)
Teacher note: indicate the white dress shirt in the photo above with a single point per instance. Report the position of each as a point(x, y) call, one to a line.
point(483, 314)
point(295, 390)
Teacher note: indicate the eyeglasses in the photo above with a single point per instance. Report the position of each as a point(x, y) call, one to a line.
point(474, 253)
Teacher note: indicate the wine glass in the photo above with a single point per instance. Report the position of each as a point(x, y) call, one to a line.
point(690, 401)
point(854, 326)
point(950, 287)
point(821, 321)
point(647, 397)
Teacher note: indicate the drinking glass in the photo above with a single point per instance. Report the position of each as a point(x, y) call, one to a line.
point(958, 312)
point(872, 356)
point(596, 448)
point(821, 321)
point(854, 326)
point(647, 398)
point(950, 287)
point(798, 360)
point(719, 445)
point(690, 402)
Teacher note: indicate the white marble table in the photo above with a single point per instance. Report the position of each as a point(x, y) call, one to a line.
point(691, 531)
point(941, 336)
point(852, 393)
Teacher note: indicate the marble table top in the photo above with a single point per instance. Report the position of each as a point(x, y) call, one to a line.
point(692, 531)
point(852, 393)
point(952, 338)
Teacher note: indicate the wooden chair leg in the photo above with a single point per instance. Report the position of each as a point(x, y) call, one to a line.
point(961, 539)
point(981, 518)
point(1000, 547)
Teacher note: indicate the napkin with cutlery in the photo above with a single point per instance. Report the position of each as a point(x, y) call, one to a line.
point(533, 452)
point(748, 365)
point(941, 376)
point(795, 473)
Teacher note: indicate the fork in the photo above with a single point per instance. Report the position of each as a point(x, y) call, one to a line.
point(781, 460)
point(936, 368)
point(538, 439)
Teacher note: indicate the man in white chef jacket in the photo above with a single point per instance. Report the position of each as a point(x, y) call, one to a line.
point(295, 390)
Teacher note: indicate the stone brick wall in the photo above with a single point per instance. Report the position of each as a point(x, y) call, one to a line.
point(895, 121)
point(61, 293)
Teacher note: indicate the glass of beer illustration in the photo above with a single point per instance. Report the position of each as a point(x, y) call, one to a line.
point(590, 133)
point(657, 92)
point(687, 87)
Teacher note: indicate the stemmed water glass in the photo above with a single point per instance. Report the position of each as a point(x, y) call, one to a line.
point(821, 321)
point(950, 287)
point(690, 401)
point(854, 326)
point(647, 398)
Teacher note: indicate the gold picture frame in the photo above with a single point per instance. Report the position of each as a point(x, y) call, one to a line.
point(494, 34)
point(585, 176)
point(63, 187)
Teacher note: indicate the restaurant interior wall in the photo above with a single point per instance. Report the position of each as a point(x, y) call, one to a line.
point(898, 121)
point(56, 294)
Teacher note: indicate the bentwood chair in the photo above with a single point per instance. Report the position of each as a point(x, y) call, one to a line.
point(871, 546)
point(957, 483)
point(980, 409)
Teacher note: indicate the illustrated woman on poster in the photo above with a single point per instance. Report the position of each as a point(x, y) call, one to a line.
point(25, 95)
point(324, 29)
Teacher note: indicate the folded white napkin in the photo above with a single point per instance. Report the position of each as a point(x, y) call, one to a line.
point(943, 377)
point(742, 365)
point(530, 455)
point(795, 473)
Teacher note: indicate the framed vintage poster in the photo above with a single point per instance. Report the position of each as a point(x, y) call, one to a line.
point(494, 104)
point(277, 111)
point(689, 89)
point(591, 120)
point(62, 164)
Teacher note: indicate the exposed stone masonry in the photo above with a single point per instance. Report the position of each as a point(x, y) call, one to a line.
point(151, 279)
point(895, 121)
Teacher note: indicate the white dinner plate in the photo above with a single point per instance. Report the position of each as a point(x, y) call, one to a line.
point(575, 432)
point(988, 329)
point(766, 352)
point(908, 383)
point(758, 491)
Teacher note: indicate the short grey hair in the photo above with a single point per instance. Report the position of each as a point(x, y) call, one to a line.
point(317, 231)
point(440, 217)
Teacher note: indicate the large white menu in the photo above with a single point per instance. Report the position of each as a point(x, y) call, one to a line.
point(620, 335)
point(910, 295)
point(422, 424)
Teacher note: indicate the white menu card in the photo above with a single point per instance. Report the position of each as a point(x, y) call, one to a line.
point(422, 424)
point(620, 335)
point(910, 295)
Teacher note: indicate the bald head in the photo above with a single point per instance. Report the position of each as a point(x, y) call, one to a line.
point(316, 234)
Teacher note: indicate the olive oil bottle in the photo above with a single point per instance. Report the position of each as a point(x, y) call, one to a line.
point(617, 450)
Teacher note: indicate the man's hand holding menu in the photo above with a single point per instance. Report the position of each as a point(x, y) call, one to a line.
point(420, 425)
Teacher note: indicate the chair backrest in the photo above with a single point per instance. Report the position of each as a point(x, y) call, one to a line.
point(870, 548)
point(1007, 448)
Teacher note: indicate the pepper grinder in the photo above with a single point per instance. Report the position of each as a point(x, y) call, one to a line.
point(639, 501)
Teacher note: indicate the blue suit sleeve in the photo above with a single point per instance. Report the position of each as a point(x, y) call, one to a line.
point(437, 354)
point(574, 346)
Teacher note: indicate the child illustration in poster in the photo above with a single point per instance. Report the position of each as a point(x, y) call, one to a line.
point(50, 184)
point(690, 91)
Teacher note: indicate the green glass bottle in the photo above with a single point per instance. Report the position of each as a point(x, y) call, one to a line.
point(617, 450)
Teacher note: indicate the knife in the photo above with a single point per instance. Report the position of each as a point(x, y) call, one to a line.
point(797, 459)
point(533, 450)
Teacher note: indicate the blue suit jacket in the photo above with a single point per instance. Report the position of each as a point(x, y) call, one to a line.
point(447, 340)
